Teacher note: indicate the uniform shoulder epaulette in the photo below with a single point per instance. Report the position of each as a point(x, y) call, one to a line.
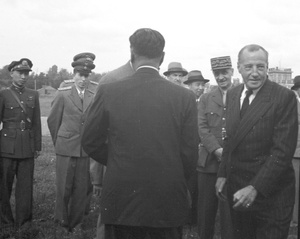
point(69, 81)
point(65, 88)
point(94, 82)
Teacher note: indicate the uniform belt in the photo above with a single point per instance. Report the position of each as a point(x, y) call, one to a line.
point(17, 125)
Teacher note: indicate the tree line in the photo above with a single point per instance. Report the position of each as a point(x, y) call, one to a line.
point(53, 77)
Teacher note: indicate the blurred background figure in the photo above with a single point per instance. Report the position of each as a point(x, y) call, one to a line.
point(175, 73)
point(196, 83)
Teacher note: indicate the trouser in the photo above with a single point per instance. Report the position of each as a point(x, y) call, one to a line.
point(208, 205)
point(72, 179)
point(263, 224)
point(296, 165)
point(22, 169)
point(131, 232)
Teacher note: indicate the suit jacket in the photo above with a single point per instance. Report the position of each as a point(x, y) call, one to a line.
point(211, 120)
point(297, 152)
point(260, 147)
point(117, 74)
point(16, 143)
point(66, 119)
point(151, 126)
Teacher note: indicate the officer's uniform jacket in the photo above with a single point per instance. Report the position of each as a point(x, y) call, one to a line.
point(21, 133)
point(211, 126)
point(66, 119)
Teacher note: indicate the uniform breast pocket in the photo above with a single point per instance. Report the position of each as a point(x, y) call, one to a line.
point(213, 118)
point(30, 105)
point(11, 109)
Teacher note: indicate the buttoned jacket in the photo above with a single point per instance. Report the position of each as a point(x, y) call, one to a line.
point(66, 120)
point(211, 121)
point(260, 146)
point(15, 142)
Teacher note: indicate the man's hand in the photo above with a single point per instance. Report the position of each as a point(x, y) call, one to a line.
point(218, 152)
point(97, 190)
point(36, 154)
point(219, 188)
point(244, 198)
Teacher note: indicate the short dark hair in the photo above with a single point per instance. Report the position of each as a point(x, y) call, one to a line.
point(252, 48)
point(147, 42)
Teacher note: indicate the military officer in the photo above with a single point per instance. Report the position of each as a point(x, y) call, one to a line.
point(20, 141)
point(65, 123)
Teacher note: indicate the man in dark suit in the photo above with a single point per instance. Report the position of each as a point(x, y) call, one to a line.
point(65, 122)
point(261, 128)
point(151, 127)
point(20, 144)
point(211, 124)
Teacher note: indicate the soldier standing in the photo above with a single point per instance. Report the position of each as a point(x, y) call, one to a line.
point(20, 143)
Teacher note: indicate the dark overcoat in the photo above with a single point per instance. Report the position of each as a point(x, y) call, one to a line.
point(151, 126)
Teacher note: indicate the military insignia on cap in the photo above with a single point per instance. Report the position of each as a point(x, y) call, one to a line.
point(25, 63)
point(222, 62)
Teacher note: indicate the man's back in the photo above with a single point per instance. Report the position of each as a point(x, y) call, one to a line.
point(152, 148)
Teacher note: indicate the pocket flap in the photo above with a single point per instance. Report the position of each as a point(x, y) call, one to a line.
point(64, 134)
point(10, 133)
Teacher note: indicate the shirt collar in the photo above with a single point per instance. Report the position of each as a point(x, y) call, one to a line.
point(146, 66)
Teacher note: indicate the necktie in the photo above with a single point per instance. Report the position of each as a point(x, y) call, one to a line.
point(245, 103)
point(81, 95)
point(224, 98)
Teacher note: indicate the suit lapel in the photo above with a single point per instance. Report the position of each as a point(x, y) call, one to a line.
point(256, 110)
point(75, 98)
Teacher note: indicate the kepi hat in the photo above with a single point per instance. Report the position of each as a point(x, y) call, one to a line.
point(195, 76)
point(22, 65)
point(83, 62)
point(296, 83)
point(223, 62)
point(175, 67)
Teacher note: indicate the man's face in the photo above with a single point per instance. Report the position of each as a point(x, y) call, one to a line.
point(253, 66)
point(197, 87)
point(223, 77)
point(175, 77)
point(19, 78)
point(80, 80)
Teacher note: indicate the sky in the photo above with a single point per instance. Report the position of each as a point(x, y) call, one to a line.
point(52, 32)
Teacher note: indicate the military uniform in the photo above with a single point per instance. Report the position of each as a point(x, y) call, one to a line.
point(65, 123)
point(20, 138)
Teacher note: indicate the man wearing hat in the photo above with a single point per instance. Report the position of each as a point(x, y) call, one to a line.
point(211, 122)
point(196, 83)
point(20, 144)
point(296, 157)
point(175, 73)
point(65, 123)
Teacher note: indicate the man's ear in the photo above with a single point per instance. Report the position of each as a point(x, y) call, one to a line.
point(162, 58)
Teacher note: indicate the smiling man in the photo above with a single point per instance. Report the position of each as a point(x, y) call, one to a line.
point(256, 165)
point(211, 123)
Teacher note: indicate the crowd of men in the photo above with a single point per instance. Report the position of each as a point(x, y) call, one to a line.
point(162, 153)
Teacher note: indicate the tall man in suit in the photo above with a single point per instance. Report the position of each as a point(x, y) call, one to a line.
point(211, 126)
point(261, 128)
point(151, 127)
point(65, 122)
point(21, 141)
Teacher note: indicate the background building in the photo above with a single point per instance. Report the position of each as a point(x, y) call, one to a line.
point(282, 76)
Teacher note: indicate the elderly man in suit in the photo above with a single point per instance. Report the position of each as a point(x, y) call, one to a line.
point(256, 164)
point(151, 150)
point(211, 126)
point(65, 122)
point(21, 141)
